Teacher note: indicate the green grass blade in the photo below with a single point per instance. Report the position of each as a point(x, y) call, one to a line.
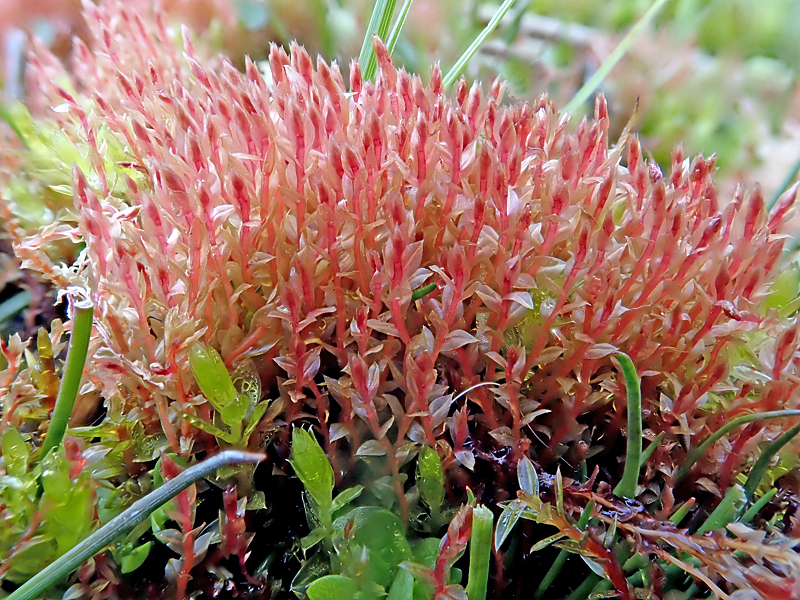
point(695, 454)
point(480, 551)
point(455, 72)
point(626, 487)
point(762, 464)
point(126, 521)
point(650, 449)
point(595, 80)
point(561, 558)
point(757, 506)
point(726, 510)
point(13, 305)
point(398, 26)
point(378, 25)
point(583, 590)
point(683, 510)
point(83, 311)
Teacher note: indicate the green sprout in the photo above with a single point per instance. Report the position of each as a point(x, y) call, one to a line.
point(239, 413)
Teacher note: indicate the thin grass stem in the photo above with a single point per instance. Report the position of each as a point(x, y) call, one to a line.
point(461, 63)
point(582, 95)
point(626, 487)
point(82, 314)
point(705, 446)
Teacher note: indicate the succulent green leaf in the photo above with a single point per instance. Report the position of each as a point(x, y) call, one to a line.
point(381, 533)
point(346, 497)
point(234, 413)
point(255, 419)
point(402, 586)
point(131, 558)
point(313, 538)
point(15, 453)
point(422, 292)
point(506, 522)
point(626, 488)
point(312, 467)
point(526, 474)
point(430, 477)
point(212, 376)
point(207, 427)
point(332, 587)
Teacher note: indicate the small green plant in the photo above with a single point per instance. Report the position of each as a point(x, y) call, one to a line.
point(238, 412)
point(123, 523)
point(368, 551)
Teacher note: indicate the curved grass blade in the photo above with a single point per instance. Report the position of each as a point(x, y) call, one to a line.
point(762, 464)
point(82, 314)
point(457, 68)
point(757, 506)
point(695, 454)
point(626, 487)
point(126, 521)
point(595, 80)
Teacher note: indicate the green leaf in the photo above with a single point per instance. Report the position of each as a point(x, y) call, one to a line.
point(212, 376)
point(125, 522)
point(313, 538)
point(561, 558)
point(381, 533)
point(207, 427)
point(785, 290)
point(13, 305)
point(430, 477)
point(82, 319)
point(402, 587)
point(422, 292)
point(542, 544)
point(706, 444)
point(398, 26)
point(346, 497)
point(15, 453)
point(234, 413)
point(506, 522)
point(312, 467)
point(255, 419)
point(132, 558)
point(526, 474)
point(332, 587)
